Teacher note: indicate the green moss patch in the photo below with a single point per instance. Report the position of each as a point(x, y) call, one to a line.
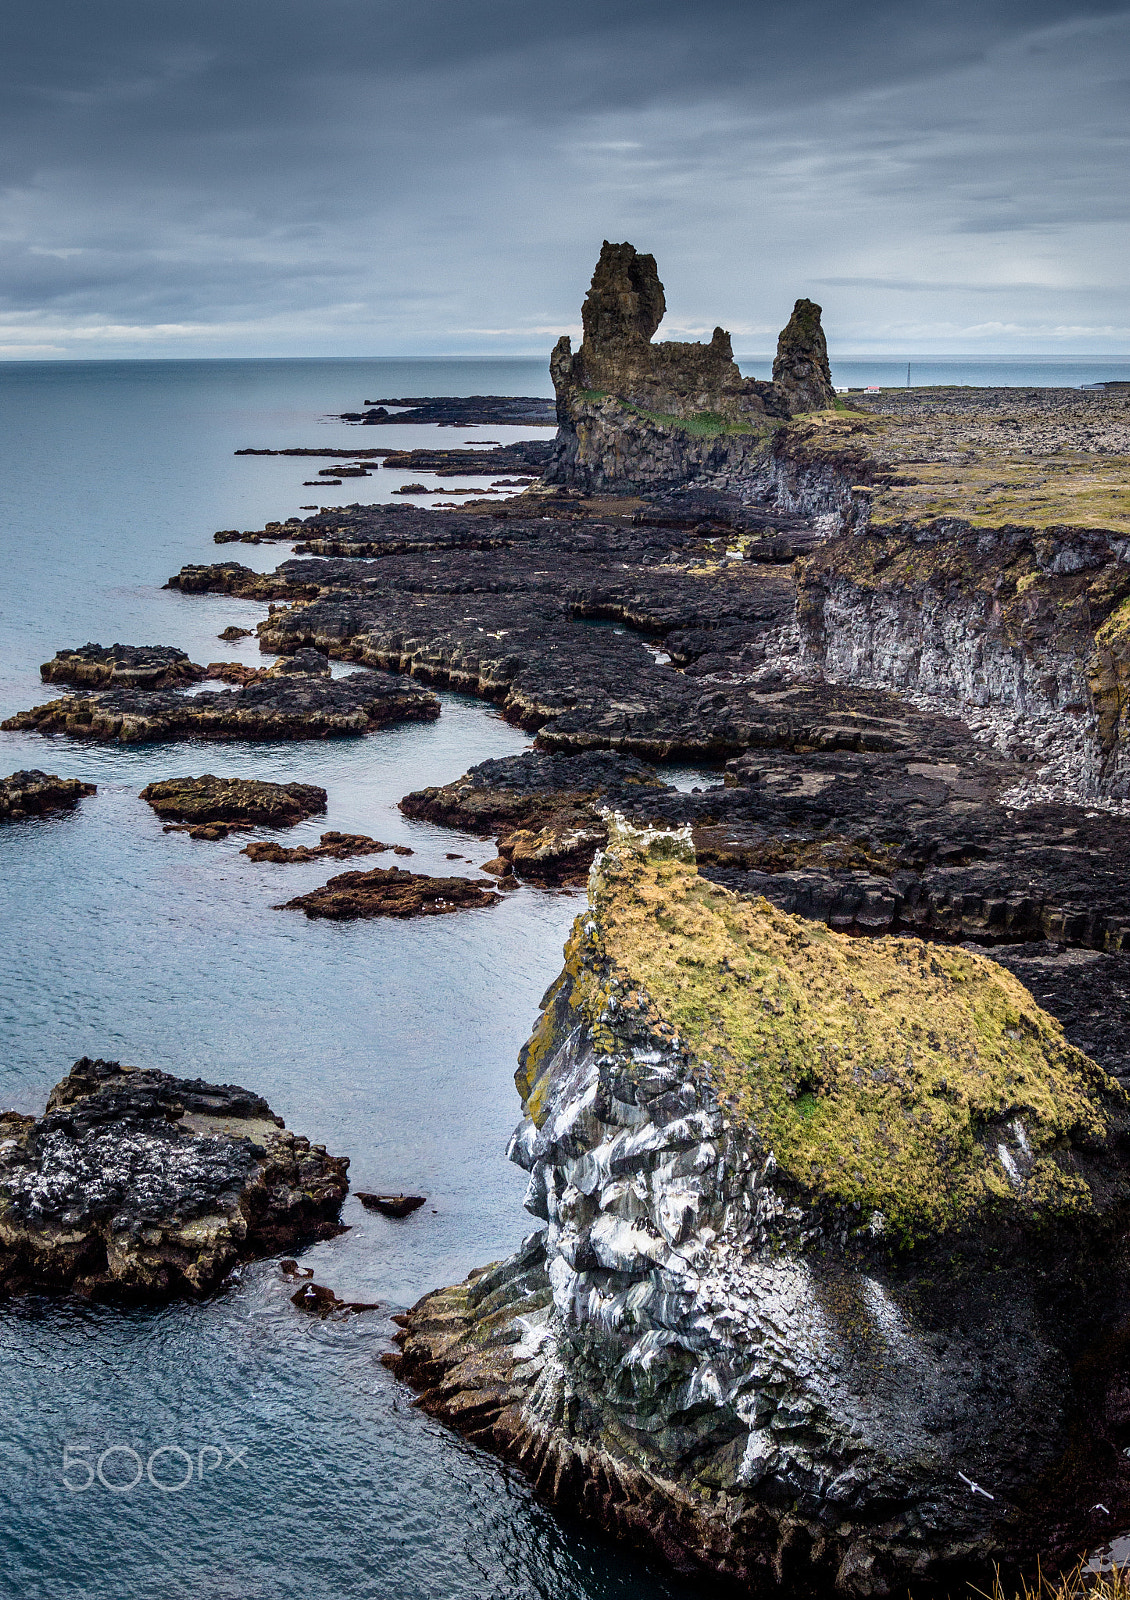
point(883, 1072)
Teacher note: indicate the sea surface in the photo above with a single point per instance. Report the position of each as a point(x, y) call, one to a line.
point(394, 1044)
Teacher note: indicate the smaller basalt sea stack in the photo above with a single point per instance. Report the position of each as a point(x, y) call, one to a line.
point(124, 666)
point(30, 794)
point(390, 892)
point(212, 806)
point(801, 374)
point(139, 1185)
point(832, 1228)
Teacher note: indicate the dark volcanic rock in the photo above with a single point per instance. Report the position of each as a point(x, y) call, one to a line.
point(29, 794)
point(390, 892)
point(332, 847)
point(801, 374)
point(231, 577)
point(284, 707)
point(545, 809)
point(136, 1184)
point(232, 802)
point(456, 411)
point(125, 666)
point(731, 1344)
point(527, 455)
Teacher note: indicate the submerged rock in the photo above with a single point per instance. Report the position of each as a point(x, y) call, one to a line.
point(136, 1184)
point(834, 1230)
point(391, 892)
point(233, 802)
point(30, 793)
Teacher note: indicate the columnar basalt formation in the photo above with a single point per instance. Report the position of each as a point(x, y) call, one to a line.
point(831, 1232)
point(138, 1185)
point(632, 413)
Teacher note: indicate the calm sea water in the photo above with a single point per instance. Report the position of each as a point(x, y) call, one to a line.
point(393, 1044)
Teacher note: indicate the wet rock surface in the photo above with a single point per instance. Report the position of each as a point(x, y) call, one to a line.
point(331, 847)
point(209, 802)
point(303, 705)
point(135, 1184)
point(123, 666)
point(784, 1311)
point(32, 793)
point(392, 892)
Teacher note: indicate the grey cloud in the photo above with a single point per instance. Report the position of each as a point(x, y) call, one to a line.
point(385, 176)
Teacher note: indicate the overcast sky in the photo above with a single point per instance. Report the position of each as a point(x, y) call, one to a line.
point(390, 177)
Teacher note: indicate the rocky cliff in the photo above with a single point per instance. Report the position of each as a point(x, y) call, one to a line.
point(634, 413)
point(825, 1275)
point(980, 554)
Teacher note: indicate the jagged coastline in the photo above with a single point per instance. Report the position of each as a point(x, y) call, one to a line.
point(806, 1261)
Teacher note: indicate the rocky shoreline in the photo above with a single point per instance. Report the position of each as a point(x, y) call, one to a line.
point(826, 1117)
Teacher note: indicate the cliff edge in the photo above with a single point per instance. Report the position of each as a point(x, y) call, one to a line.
point(829, 1230)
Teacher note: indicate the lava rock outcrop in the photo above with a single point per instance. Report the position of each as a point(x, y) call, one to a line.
point(295, 706)
point(392, 892)
point(32, 793)
point(208, 804)
point(138, 1185)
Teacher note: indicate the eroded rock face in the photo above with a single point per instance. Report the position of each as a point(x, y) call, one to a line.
point(136, 1184)
point(801, 374)
point(828, 1224)
point(635, 414)
point(31, 793)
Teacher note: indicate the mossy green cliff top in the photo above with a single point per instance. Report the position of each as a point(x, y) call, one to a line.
point(886, 1072)
point(991, 457)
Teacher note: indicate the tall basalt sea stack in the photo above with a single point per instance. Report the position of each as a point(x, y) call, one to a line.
point(833, 1232)
point(632, 413)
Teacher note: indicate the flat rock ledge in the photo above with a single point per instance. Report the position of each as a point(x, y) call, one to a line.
point(31, 793)
point(211, 807)
point(125, 666)
point(138, 1185)
point(833, 1231)
point(297, 706)
point(392, 892)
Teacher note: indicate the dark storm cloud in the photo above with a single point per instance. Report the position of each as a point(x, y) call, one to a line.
point(356, 176)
